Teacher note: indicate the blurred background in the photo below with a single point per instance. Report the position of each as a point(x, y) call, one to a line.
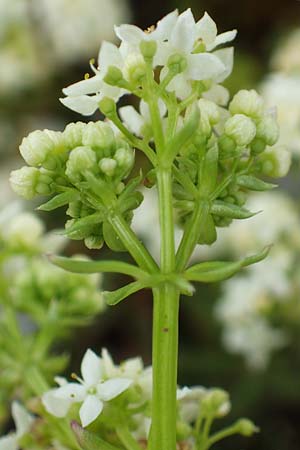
point(243, 335)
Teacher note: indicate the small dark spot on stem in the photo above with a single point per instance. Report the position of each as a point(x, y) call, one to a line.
point(165, 330)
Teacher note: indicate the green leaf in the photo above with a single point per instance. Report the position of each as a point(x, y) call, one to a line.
point(131, 186)
point(88, 221)
point(212, 271)
point(85, 266)
point(88, 440)
point(115, 297)
point(230, 210)
point(253, 183)
point(60, 200)
point(132, 201)
point(209, 171)
point(112, 239)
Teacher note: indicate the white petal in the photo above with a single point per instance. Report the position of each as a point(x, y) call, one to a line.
point(165, 26)
point(90, 410)
point(222, 38)
point(202, 66)
point(225, 55)
point(112, 92)
point(145, 112)
point(132, 119)
point(9, 442)
point(112, 388)
point(56, 406)
point(183, 34)
point(109, 367)
point(206, 29)
point(83, 104)
point(109, 55)
point(22, 419)
point(218, 94)
point(61, 381)
point(164, 51)
point(72, 391)
point(180, 85)
point(84, 87)
point(91, 368)
point(129, 33)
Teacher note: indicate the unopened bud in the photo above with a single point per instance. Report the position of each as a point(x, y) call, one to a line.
point(267, 129)
point(108, 106)
point(177, 63)
point(80, 160)
point(246, 428)
point(241, 129)
point(216, 401)
point(98, 135)
point(227, 147)
point(108, 166)
point(36, 147)
point(73, 134)
point(113, 76)
point(148, 49)
point(124, 158)
point(94, 242)
point(275, 162)
point(257, 146)
point(29, 182)
point(248, 103)
point(135, 68)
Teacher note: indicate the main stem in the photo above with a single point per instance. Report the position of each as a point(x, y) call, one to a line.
point(165, 329)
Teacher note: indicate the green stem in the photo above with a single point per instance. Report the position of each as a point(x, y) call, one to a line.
point(191, 235)
point(165, 330)
point(126, 438)
point(139, 253)
point(221, 435)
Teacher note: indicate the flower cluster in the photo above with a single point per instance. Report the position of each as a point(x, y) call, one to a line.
point(61, 163)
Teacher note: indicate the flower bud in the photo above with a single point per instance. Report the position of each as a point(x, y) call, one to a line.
point(148, 49)
point(257, 146)
point(216, 401)
point(29, 182)
point(227, 147)
point(275, 162)
point(94, 242)
point(24, 231)
point(36, 147)
point(107, 106)
point(210, 110)
point(135, 68)
point(248, 103)
point(241, 129)
point(246, 428)
point(113, 76)
point(80, 160)
point(125, 158)
point(98, 135)
point(267, 129)
point(108, 166)
point(177, 63)
point(73, 134)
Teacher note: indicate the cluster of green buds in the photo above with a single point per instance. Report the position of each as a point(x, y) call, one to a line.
point(83, 167)
point(226, 158)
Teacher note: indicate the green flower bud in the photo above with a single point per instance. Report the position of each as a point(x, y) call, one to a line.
point(108, 166)
point(94, 242)
point(248, 103)
point(275, 162)
point(80, 160)
point(246, 428)
point(135, 68)
point(216, 401)
point(177, 63)
point(267, 129)
point(98, 135)
point(125, 158)
point(209, 115)
point(29, 182)
point(73, 134)
point(36, 147)
point(148, 49)
point(108, 106)
point(257, 146)
point(241, 129)
point(113, 76)
point(227, 147)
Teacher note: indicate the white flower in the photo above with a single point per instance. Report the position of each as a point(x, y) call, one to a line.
point(207, 32)
point(23, 421)
point(92, 391)
point(138, 122)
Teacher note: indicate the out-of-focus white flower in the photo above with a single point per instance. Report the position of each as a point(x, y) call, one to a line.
point(286, 57)
point(23, 422)
point(255, 339)
point(284, 91)
point(92, 391)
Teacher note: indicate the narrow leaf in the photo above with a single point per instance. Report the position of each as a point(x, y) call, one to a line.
point(112, 239)
point(253, 183)
point(89, 441)
point(85, 266)
point(224, 209)
point(60, 200)
point(93, 219)
point(115, 297)
point(212, 271)
point(209, 172)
